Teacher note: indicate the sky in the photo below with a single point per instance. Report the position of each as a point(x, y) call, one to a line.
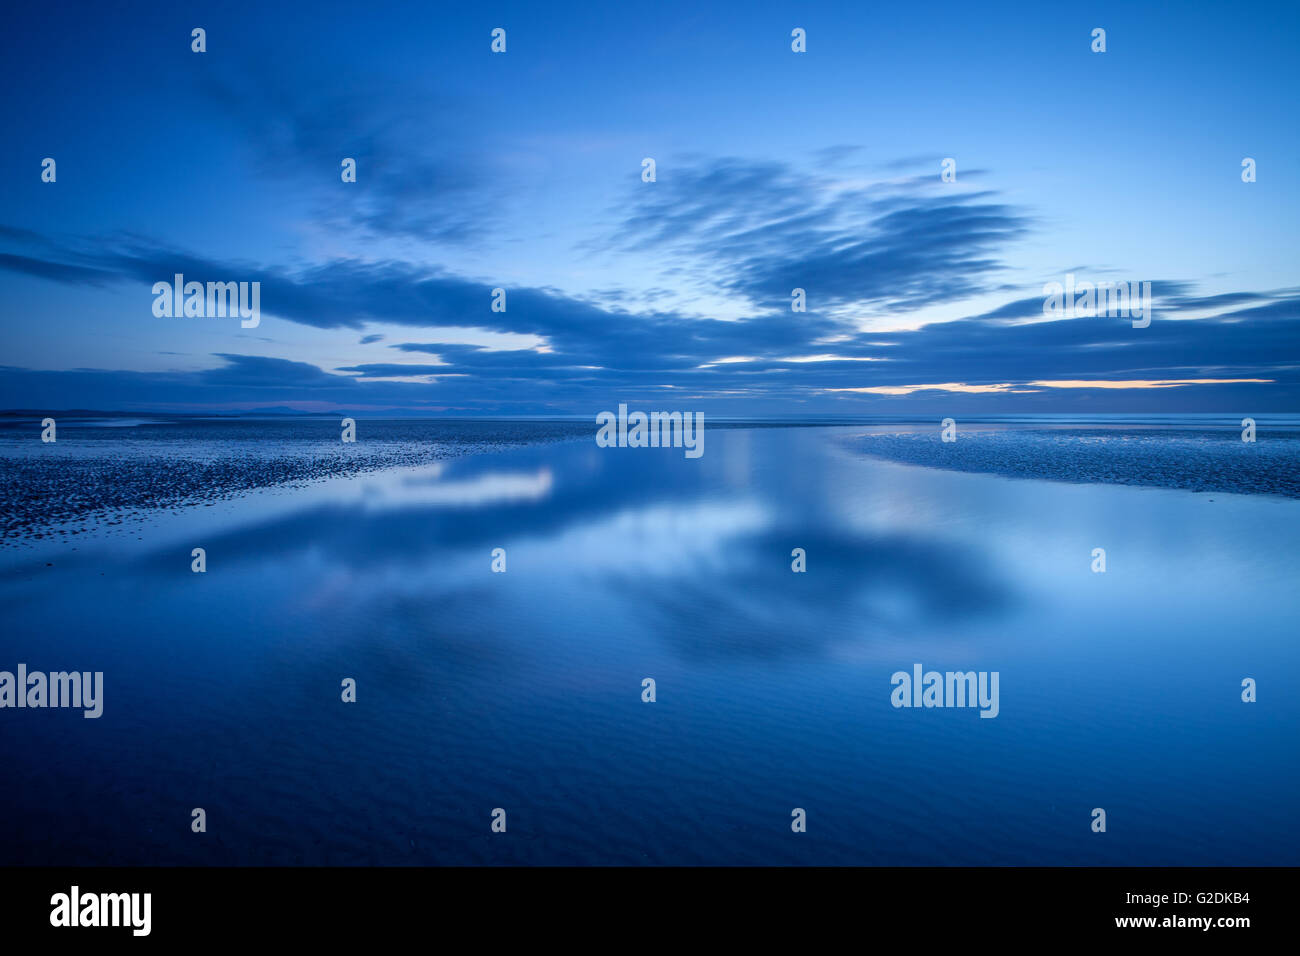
point(775, 170)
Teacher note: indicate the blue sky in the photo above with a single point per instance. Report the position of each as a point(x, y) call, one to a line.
point(775, 170)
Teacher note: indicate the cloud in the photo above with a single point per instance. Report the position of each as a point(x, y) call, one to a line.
point(761, 229)
point(422, 172)
point(56, 271)
point(915, 248)
point(1222, 363)
point(260, 371)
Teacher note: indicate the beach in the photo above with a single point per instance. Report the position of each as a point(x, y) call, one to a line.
point(522, 690)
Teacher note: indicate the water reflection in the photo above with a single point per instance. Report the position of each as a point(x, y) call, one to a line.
point(522, 689)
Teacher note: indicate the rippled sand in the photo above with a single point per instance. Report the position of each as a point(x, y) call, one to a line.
point(522, 690)
point(1193, 460)
point(95, 476)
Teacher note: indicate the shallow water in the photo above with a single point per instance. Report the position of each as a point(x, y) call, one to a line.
point(522, 690)
point(108, 471)
point(1201, 453)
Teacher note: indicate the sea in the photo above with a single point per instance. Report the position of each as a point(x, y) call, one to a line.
point(564, 654)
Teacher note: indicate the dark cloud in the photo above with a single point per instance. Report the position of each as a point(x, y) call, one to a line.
point(256, 370)
point(636, 365)
point(422, 172)
point(56, 271)
point(1169, 294)
point(754, 230)
point(762, 229)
